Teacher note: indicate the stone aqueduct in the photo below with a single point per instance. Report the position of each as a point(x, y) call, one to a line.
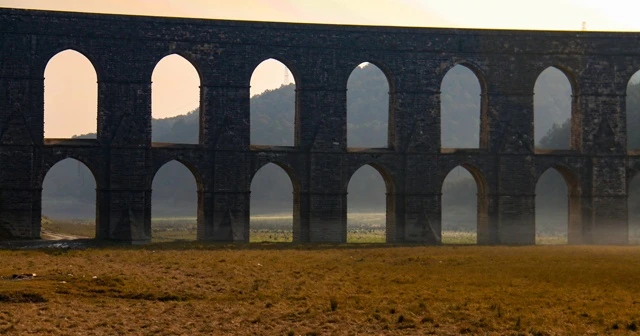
point(123, 159)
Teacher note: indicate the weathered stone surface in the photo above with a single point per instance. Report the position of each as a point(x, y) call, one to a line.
point(125, 49)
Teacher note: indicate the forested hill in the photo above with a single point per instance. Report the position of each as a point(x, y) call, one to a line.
point(272, 124)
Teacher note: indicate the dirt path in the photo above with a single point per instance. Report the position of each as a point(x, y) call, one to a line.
point(50, 235)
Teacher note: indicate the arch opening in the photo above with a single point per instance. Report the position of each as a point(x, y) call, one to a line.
point(69, 201)
point(369, 109)
point(463, 122)
point(464, 207)
point(175, 101)
point(272, 104)
point(558, 208)
point(632, 111)
point(370, 206)
point(555, 112)
point(174, 204)
point(70, 96)
point(274, 205)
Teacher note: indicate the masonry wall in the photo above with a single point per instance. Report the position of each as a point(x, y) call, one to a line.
point(125, 49)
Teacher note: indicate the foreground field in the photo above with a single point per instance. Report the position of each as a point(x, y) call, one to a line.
point(275, 289)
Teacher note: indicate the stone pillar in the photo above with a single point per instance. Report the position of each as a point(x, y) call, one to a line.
point(488, 219)
point(124, 131)
point(608, 203)
point(205, 214)
point(511, 139)
point(321, 132)
point(417, 121)
point(327, 216)
point(225, 129)
point(604, 140)
point(326, 199)
point(300, 216)
point(422, 217)
point(576, 232)
point(21, 133)
point(417, 138)
point(395, 217)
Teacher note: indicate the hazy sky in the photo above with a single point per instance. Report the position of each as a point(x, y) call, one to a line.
point(70, 99)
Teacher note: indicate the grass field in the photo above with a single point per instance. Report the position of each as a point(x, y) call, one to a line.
point(191, 288)
point(361, 228)
point(358, 289)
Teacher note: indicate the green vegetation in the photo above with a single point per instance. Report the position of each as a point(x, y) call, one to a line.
point(281, 289)
point(363, 228)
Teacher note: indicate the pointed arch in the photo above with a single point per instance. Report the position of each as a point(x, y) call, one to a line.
point(369, 107)
point(175, 101)
point(273, 108)
point(463, 108)
point(558, 206)
point(275, 205)
point(632, 111)
point(465, 207)
point(370, 205)
point(69, 201)
point(175, 211)
point(70, 96)
point(556, 118)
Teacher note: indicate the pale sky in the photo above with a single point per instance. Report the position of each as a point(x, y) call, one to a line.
point(71, 98)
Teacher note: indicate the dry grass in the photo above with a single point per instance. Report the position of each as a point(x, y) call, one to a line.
point(259, 289)
point(77, 228)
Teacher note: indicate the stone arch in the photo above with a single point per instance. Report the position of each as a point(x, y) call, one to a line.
point(279, 127)
point(183, 55)
point(570, 176)
point(384, 108)
point(479, 105)
point(281, 231)
point(484, 234)
point(291, 66)
point(48, 164)
point(66, 181)
point(481, 110)
point(632, 111)
point(572, 125)
point(169, 170)
point(385, 174)
point(66, 92)
point(575, 229)
point(470, 65)
point(164, 84)
point(50, 54)
point(381, 65)
point(186, 163)
point(390, 222)
point(288, 169)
